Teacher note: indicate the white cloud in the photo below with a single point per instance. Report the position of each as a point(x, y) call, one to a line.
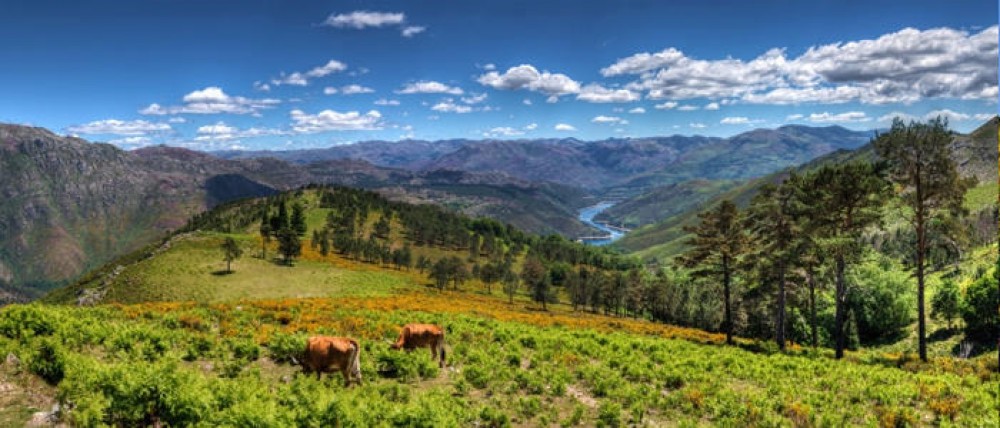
point(329, 120)
point(526, 102)
point(712, 106)
point(220, 131)
point(356, 89)
point(329, 90)
point(490, 67)
point(906, 117)
point(792, 117)
point(697, 125)
point(449, 106)
point(609, 119)
point(386, 102)
point(901, 67)
point(850, 116)
point(952, 116)
point(212, 100)
point(564, 127)
point(302, 78)
point(362, 19)
point(429, 87)
point(119, 127)
point(177, 120)
point(531, 126)
point(738, 120)
point(666, 106)
point(502, 131)
point(261, 86)
point(474, 99)
point(595, 93)
point(412, 31)
point(528, 77)
point(637, 110)
point(687, 107)
point(984, 116)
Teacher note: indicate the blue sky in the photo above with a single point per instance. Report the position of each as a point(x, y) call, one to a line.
point(294, 74)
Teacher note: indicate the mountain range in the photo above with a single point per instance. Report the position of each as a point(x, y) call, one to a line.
point(70, 205)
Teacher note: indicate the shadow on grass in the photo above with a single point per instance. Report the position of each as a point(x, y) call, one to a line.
point(943, 334)
point(223, 272)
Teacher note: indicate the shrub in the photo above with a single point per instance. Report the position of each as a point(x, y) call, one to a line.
point(48, 361)
point(980, 310)
point(881, 300)
point(25, 321)
point(609, 414)
point(282, 347)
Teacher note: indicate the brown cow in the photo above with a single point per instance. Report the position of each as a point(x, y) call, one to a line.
point(422, 335)
point(324, 354)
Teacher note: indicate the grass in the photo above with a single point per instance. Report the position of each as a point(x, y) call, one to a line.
point(192, 269)
point(981, 196)
point(226, 364)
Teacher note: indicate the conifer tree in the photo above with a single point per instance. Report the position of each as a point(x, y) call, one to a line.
point(920, 162)
point(232, 252)
point(716, 249)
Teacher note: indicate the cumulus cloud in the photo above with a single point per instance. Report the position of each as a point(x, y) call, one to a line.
point(984, 116)
point(637, 110)
point(595, 93)
point(697, 125)
point(850, 116)
point(610, 120)
point(429, 87)
point(901, 67)
point(329, 120)
point(502, 131)
point(355, 89)
point(220, 131)
point(302, 78)
point(564, 127)
point(363, 19)
point(792, 117)
point(119, 127)
point(474, 99)
point(666, 106)
point(687, 107)
point(950, 115)
point(412, 31)
point(212, 100)
point(531, 127)
point(528, 77)
point(449, 106)
point(738, 120)
point(386, 102)
point(132, 142)
point(712, 106)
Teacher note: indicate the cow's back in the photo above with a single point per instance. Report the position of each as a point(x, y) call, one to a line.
point(324, 353)
point(418, 335)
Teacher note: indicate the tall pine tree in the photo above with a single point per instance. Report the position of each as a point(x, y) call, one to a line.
point(930, 186)
point(716, 249)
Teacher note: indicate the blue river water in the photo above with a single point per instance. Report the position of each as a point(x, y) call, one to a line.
point(587, 217)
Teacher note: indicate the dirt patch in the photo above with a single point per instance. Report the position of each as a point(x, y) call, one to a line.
point(582, 396)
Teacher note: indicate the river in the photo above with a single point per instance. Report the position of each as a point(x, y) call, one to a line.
point(587, 216)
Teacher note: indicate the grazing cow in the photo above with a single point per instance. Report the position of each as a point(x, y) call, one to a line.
point(422, 335)
point(324, 354)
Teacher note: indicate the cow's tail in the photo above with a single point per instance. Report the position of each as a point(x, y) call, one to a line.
point(356, 359)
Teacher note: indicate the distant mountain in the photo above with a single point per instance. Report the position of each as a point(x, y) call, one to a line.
point(627, 166)
point(975, 153)
point(408, 154)
point(68, 205)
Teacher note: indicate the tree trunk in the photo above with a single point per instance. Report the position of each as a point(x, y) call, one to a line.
point(729, 314)
point(812, 307)
point(921, 321)
point(780, 327)
point(841, 297)
point(229, 266)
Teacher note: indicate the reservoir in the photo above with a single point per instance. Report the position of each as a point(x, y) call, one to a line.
point(587, 217)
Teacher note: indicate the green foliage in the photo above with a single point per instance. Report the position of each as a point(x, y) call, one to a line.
point(946, 305)
point(982, 300)
point(881, 299)
point(231, 251)
point(289, 245)
point(26, 321)
point(283, 347)
point(48, 361)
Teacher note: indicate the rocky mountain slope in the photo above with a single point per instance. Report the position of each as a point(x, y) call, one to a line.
point(68, 205)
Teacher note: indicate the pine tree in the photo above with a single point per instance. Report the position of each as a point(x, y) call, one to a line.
point(232, 252)
point(920, 162)
point(536, 277)
point(771, 219)
point(716, 249)
point(265, 236)
point(289, 245)
point(298, 220)
point(841, 202)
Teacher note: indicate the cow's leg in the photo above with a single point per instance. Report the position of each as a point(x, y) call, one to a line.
point(347, 377)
